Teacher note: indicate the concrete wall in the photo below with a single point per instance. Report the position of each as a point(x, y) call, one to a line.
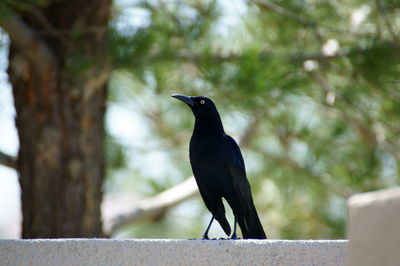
point(374, 228)
point(172, 252)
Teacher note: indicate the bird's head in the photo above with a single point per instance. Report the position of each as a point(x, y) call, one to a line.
point(201, 106)
point(207, 117)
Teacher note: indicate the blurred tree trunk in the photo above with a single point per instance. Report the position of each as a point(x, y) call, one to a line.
point(58, 70)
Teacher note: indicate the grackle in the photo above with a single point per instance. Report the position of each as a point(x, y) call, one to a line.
point(219, 170)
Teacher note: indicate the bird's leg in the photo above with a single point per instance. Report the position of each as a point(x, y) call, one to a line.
point(234, 236)
point(205, 235)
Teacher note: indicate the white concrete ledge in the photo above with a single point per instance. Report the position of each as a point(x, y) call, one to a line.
point(172, 252)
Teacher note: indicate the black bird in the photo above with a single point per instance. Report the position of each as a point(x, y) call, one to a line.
point(219, 170)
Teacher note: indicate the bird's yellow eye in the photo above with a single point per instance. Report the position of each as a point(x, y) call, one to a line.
point(202, 101)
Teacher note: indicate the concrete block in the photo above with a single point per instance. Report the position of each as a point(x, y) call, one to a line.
point(374, 228)
point(171, 252)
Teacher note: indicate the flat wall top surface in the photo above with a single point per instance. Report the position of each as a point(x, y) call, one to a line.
point(172, 252)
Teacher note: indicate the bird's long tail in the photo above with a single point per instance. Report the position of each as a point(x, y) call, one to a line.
point(250, 224)
point(224, 224)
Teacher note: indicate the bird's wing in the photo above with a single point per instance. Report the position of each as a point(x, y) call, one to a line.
point(237, 173)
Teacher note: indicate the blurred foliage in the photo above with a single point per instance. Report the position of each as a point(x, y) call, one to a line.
point(315, 84)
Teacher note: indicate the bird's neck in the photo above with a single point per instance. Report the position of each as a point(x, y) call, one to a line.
point(205, 126)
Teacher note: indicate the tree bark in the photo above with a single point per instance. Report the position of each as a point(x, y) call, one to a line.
point(58, 70)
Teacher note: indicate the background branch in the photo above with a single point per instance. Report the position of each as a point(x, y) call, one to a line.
point(266, 5)
point(151, 208)
point(264, 55)
point(387, 20)
point(30, 44)
point(283, 12)
point(8, 160)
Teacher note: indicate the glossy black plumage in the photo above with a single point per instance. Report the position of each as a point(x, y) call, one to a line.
point(219, 170)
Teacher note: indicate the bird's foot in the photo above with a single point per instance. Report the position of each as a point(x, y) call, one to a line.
point(192, 239)
point(205, 237)
point(234, 237)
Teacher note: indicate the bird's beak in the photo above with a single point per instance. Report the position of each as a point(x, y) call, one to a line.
point(186, 99)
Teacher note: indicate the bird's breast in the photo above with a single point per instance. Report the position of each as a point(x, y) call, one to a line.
point(209, 158)
point(207, 150)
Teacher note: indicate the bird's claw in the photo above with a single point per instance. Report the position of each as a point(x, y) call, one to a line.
point(234, 237)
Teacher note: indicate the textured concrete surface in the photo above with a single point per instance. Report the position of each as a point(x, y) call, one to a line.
point(374, 228)
point(172, 252)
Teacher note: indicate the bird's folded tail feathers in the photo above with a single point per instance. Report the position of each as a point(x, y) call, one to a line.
point(224, 224)
point(252, 225)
